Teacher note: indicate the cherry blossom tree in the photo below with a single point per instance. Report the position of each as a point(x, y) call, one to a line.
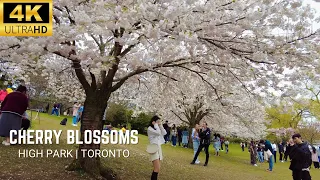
point(310, 131)
point(192, 100)
point(105, 43)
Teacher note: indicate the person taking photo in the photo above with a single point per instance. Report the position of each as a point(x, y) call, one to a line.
point(156, 134)
point(300, 156)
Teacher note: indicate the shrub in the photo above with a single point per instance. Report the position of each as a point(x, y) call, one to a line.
point(141, 122)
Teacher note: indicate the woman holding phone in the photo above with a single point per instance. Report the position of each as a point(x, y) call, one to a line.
point(156, 133)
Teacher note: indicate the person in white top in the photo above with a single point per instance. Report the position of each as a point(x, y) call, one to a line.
point(75, 109)
point(156, 133)
point(275, 149)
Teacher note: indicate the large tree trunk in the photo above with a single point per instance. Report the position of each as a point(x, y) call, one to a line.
point(91, 120)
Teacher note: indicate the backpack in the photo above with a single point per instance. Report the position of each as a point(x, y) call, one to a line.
point(64, 121)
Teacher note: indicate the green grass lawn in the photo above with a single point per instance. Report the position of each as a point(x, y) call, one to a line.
point(176, 163)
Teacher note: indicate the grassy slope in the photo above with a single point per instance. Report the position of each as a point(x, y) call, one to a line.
point(176, 165)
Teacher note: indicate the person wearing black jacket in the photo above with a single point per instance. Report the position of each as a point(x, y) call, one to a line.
point(288, 148)
point(300, 156)
point(204, 135)
point(281, 151)
point(166, 127)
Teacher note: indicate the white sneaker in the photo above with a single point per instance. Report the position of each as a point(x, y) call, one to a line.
point(5, 143)
point(255, 165)
point(197, 162)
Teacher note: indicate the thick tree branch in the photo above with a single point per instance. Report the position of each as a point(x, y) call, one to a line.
point(94, 81)
point(180, 117)
point(95, 40)
point(77, 68)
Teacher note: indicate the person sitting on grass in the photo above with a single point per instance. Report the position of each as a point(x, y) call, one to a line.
point(12, 109)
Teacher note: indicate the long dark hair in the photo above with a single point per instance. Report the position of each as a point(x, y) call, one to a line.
point(314, 150)
point(154, 118)
point(21, 89)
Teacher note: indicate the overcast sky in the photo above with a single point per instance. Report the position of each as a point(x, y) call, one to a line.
point(316, 5)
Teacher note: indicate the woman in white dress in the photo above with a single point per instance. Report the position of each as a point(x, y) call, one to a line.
point(156, 133)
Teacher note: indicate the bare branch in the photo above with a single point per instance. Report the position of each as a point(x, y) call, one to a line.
point(231, 22)
point(203, 79)
point(180, 117)
point(11, 47)
point(243, 85)
point(163, 75)
point(95, 40)
point(301, 38)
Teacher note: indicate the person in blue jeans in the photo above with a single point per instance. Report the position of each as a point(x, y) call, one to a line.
point(174, 134)
point(55, 109)
point(75, 113)
point(268, 146)
point(195, 141)
point(80, 111)
point(260, 154)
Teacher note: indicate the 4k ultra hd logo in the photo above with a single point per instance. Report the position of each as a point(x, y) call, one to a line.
point(26, 18)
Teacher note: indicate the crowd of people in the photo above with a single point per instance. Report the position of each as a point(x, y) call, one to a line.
point(176, 135)
point(258, 152)
point(301, 154)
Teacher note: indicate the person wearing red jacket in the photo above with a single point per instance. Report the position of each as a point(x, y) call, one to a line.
point(12, 109)
point(3, 94)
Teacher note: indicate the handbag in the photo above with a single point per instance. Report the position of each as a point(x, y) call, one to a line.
point(152, 148)
point(269, 153)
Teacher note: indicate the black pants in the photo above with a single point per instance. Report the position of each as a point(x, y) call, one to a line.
point(316, 165)
point(281, 156)
point(275, 156)
point(25, 124)
point(179, 140)
point(206, 149)
point(285, 156)
point(301, 175)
